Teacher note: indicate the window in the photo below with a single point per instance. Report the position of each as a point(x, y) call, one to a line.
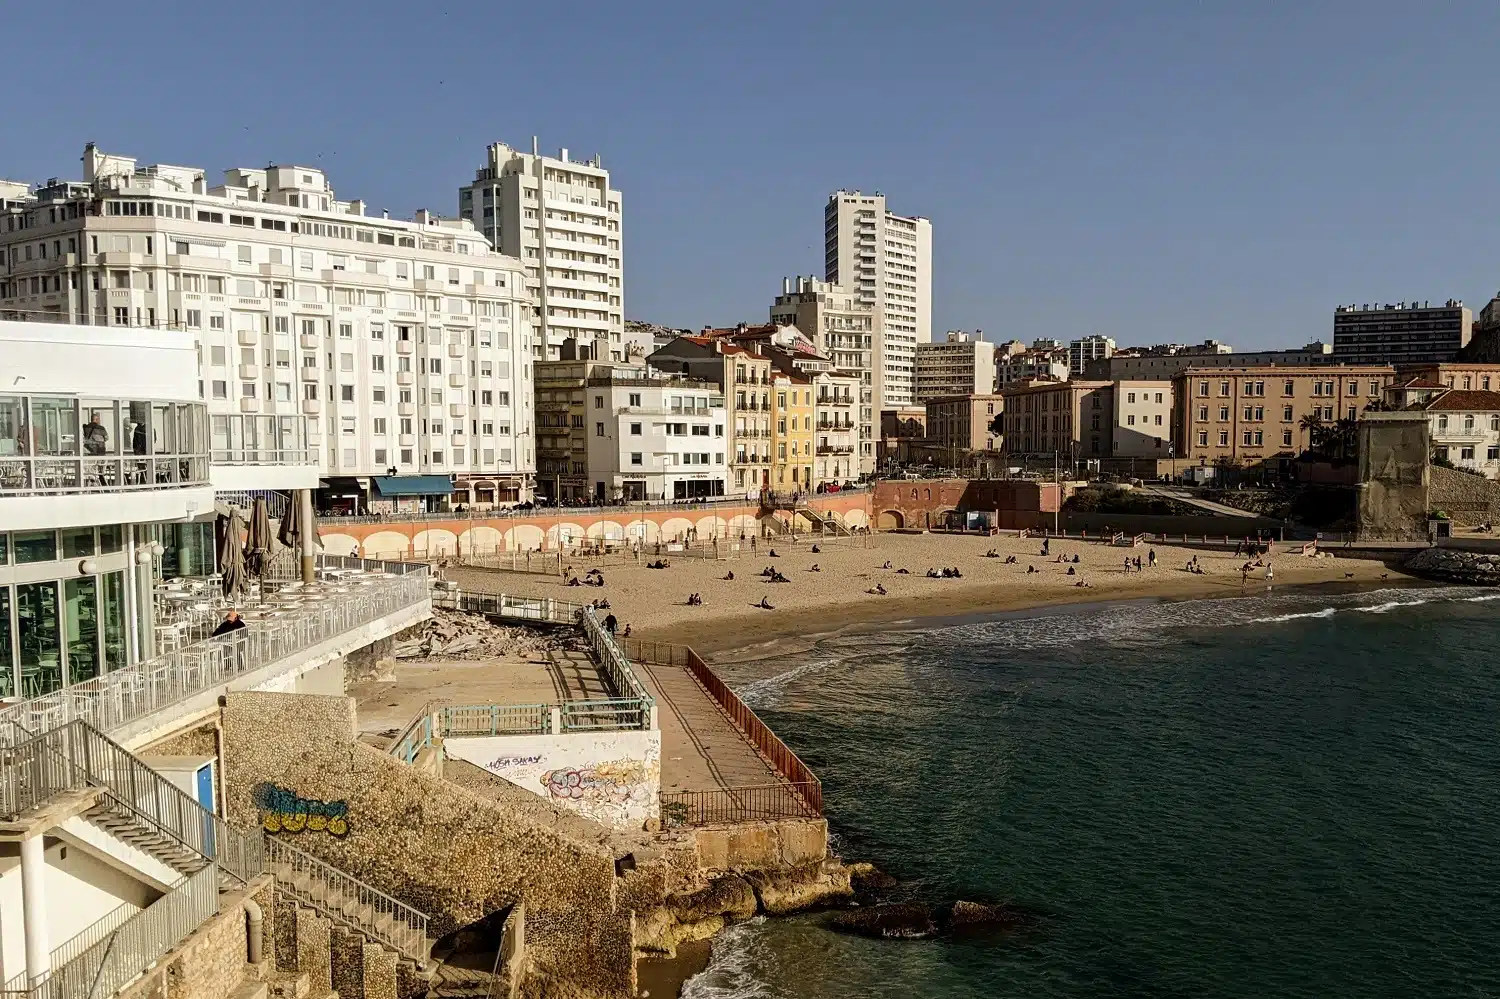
point(346, 393)
point(1203, 413)
point(1130, 397)
point(1287, 387)
point(377, 362)
point(1130, 420)
point(1246, 438)
point(1223, 438)
point(220, 390)
point(1286, 414)
point(1492, 454)
point(1469, 423)
point(635, 430)
point(346, 331)
point(1466, 454)
point(1203, 438)
point(635, 457)
point(1224, 388)
point(598, 430)
point(1223, 413)
point(379, 426)
point(1286, 438)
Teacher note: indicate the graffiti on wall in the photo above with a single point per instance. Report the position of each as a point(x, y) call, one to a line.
point(617, 782)
point(282, 810)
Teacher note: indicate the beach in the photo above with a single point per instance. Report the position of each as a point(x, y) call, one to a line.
point(811, 605)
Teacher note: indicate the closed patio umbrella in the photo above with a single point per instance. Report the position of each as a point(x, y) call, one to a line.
point(292, 527)
point(231, 554)
point(258, 543)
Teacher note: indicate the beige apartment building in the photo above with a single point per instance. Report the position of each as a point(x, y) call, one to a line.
point(745, 379)
point(959, 364)
point(1072, 418)
point(844, 330)
point(964, 422)
point(1250, 414)
point(1143, 419)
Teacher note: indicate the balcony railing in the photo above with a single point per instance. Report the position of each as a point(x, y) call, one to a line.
point(51, 476)
point(124, 696)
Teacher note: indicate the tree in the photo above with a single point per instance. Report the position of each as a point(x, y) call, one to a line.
point(997, 425)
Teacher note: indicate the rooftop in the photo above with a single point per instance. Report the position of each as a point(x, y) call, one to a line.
point(1462, 400)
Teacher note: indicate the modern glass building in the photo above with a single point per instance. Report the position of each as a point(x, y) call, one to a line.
point(106, 488)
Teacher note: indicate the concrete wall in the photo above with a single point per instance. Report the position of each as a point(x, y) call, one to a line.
point(80, 890)
point(613, 778)
point(1467, 499)
point(1393, 477)
point(1191, 525)
point(450, 853)
point(924, 503)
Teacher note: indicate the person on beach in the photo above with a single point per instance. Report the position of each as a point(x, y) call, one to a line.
point(1072, 571)
point(610, 624)
point(765, 604)
point(773, 554)
point(1151, 558)
point(815, 568)
point(1127, 565)
point(1269, 572)
point(1030, 569)
point(729, 575)
point(878, 590)
point(887, 564)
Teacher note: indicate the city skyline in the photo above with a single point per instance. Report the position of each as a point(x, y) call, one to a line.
point(1109, 177)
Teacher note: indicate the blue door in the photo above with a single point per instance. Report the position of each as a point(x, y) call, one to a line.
point(205, 785)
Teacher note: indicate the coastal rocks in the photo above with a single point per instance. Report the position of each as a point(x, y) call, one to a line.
point(865, 878)
point(1452, 565)
point(893, 921)
point(729, 895)
point(915, 920)
point(812, 886)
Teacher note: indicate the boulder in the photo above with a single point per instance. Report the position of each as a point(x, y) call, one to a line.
point(864, 877)
point(896, 921)
point(811, 886)
point(963, 915)
point(728, 895)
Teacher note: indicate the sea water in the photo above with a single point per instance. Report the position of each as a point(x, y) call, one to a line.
point(1292, 794)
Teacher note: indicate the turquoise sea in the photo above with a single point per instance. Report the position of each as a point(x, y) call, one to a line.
point(1290, 795)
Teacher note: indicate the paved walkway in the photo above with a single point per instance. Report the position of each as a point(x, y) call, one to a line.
point(701, 748)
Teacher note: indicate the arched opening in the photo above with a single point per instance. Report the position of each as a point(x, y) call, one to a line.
point(890, 520)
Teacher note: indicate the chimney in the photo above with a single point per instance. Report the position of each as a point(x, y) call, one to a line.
point(533, 146)
point(562, 154)
point(786, 285)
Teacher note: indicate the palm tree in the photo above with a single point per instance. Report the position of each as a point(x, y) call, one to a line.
point(1312, 423)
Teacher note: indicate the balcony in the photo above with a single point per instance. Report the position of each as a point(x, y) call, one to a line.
point(405, 378)
point(249, 404)
point(309, 374)
point(405, 347)
point(310, 341)
point(406, 409)
point(455, 380)
point(457, 408)
point(456, 349)
point(247, 338)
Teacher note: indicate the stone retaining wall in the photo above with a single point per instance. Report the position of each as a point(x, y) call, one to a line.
point(436, 846)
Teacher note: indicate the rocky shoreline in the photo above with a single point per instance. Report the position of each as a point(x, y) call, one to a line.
point(684, 926)
point(1452, 565)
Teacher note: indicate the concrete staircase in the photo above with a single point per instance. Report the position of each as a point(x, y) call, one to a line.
point(824, 523)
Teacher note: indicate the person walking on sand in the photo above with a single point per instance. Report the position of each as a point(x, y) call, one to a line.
point(1151, 558)
point(1270, 573)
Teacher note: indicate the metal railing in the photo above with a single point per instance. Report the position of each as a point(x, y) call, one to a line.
point(47, 476)
point(738, 804)
point(118, 698)
point(546, 610)
point(415, 737)
point(75, 757)
point(799, 778)
point(348, 899)
point(615, 665)
point(122, 956)
point(461, 720)
point(561, 512)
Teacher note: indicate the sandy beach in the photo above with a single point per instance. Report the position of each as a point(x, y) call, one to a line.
point(834, 598)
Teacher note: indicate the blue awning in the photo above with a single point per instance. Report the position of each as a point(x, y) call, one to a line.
point(412, 485)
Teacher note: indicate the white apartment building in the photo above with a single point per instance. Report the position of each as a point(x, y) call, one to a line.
point(886, 260)
point(959, 364)
point(653, 436)
point(562, 219)
point(844, 330)
point(1465, 428)
point(1143, 419)
point(1094, 347)
point(407, 343)
point(1044, 364)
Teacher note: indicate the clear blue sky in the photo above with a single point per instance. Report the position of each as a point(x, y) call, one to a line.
point(1150, 170)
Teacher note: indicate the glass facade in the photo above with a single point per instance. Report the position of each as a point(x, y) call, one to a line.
point(51, 444)
point(59, 625)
